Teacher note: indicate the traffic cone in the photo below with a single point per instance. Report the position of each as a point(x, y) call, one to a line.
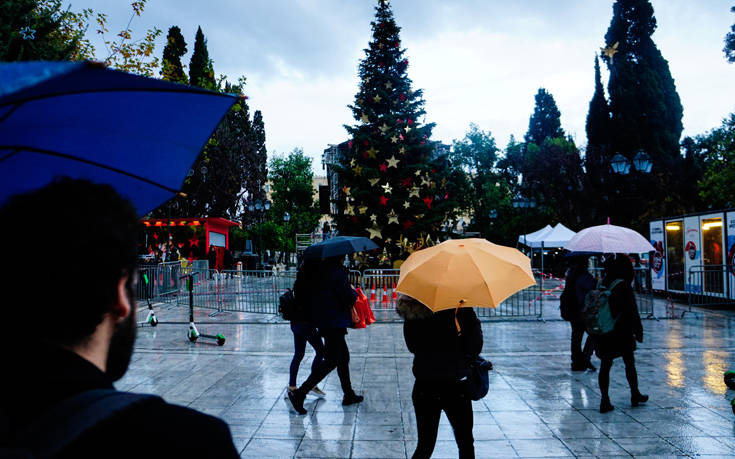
point(372, 293)
point(385, 295)
point(395, 294)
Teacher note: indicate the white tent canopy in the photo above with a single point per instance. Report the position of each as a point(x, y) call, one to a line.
point(547, 237)
point(531, 238)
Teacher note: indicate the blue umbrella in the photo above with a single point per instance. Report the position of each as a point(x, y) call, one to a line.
point(338, 246)
point(80, 120)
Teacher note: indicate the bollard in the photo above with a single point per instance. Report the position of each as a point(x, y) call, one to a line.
point(395, 294)
point(385, 295)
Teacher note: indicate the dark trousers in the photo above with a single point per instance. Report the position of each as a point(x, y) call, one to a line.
point(303, 333)
point(630, 374)
point(580, 356)
point(336, 355)
point(429, 400)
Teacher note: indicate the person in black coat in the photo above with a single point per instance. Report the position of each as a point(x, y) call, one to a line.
point(442, 358)
point(580, 282)
point(621, 342)
point(302, 327)
point(331, 298)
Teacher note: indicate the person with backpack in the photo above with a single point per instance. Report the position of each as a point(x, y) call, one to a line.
point(619, 326)
point(301, 326)
point(331, 298)
point(57, 397)
point(441, 364)
point(578, 283)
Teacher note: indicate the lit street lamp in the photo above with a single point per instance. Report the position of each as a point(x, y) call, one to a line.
point(641, 162)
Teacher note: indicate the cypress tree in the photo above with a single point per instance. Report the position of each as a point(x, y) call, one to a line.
point(259, 160)
point(546, 119)
point(172, 69)
point(646, 115)
point(729, 48)
point(598, 130)
point(201, 70)
point(645, 107)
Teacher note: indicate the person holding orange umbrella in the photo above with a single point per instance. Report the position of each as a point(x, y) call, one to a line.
point(438, 287)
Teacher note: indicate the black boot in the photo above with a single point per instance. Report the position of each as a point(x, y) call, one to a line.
point(351, 399)
point(605, 405)
point(637, 398)
point(297, 400)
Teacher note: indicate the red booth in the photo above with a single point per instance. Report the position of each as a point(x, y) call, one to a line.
point(216, 233)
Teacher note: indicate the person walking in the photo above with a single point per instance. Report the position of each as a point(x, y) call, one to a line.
point(302, 327)
point(621, 341)
point(331, 298)
point(578, 283)
point(442, 358)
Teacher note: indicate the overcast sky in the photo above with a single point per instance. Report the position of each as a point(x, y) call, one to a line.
point(478, 61)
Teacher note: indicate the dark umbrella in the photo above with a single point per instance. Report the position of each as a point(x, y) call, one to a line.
point(338, 246)
point(80, 120)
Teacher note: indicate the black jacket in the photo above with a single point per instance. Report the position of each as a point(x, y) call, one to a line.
point(628, 326)
point(33, 384)
point(331, 297)
point(440, 353)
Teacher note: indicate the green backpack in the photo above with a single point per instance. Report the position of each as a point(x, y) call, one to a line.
point(598, 318)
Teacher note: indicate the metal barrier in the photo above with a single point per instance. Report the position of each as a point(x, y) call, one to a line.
point(527, 303)
point(240, 291)
point(379, 286)
point(710, 285)
point(163, 281)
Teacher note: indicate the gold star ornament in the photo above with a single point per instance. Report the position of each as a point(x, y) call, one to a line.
point(393, 162)
point(384, 128)
point(377, 99)
point(371, 152)
point(387, 188)
point(414, 192)
point(364, 118)
point(610, 50)
point(362, 210)
point(373, 181)
point(374, 218)
point(375, 233)
point(346, 190)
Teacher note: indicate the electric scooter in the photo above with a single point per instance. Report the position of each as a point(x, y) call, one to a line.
point(193, 334)
point(151, 319)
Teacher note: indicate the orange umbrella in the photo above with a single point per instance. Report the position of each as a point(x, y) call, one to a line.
point(464, 273)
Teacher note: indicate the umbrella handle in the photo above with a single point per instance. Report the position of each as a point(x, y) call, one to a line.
point(456, 322)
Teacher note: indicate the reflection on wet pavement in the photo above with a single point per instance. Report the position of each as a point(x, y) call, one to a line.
point(536, 406)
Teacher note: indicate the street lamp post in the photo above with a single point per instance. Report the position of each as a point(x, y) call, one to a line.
point(621, 165)
point(523, 203)
point(286, 219)
point(260, 208)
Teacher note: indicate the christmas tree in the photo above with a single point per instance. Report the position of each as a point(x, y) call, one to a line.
point(397, 186)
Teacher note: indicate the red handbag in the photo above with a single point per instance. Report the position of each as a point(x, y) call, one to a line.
point(362, 314)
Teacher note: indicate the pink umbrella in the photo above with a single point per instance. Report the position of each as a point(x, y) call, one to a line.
point(609, 239)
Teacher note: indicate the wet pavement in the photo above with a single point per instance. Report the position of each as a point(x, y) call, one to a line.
point(536, 406)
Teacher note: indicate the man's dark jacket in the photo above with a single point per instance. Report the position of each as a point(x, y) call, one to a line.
point(35, 382)
point(440, 353)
